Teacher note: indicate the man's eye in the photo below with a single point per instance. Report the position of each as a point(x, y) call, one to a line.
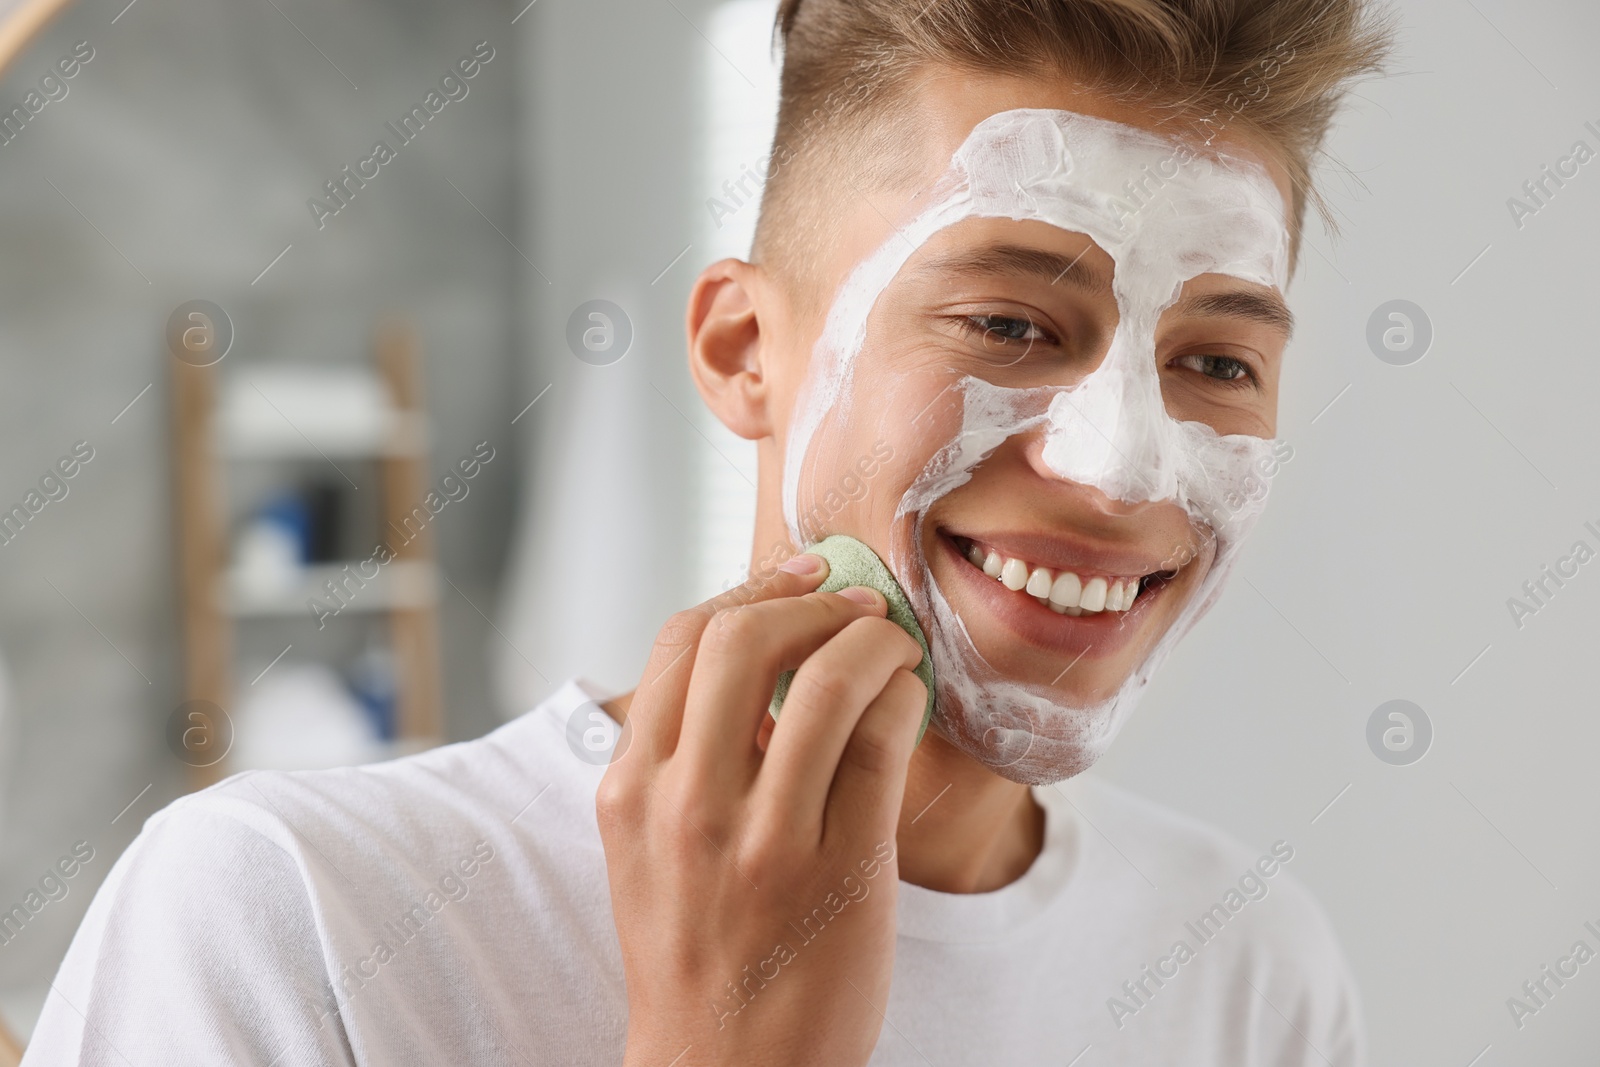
point(1222, 368)
point(1003, 329)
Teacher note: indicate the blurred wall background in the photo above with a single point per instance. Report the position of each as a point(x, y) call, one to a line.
point(177, 167)
point(1420, 498)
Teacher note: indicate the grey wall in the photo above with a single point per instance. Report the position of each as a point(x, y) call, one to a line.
point(191, 142)
point(1414, 508)
point(611, 138)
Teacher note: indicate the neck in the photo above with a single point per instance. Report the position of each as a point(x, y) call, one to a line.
point(963, 828)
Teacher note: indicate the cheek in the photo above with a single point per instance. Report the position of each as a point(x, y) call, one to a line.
point(868, 450)
point(1269, 407)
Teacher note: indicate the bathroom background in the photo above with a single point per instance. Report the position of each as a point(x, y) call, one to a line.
point(417, 326)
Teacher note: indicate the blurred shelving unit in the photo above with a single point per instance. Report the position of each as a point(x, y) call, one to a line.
point(364, 417)
point(20, 22)
point(10, 1047)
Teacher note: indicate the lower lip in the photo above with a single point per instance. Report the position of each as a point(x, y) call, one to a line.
point(1104, 632)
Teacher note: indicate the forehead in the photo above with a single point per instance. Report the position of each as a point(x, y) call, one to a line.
point(1162, 213)
point(1161, 207)
point(946, 107)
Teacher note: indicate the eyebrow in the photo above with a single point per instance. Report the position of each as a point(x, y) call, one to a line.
point(1021, 260)
point(1267, 308)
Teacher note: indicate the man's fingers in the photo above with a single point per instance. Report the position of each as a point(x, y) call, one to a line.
point(737, 664)
point(871, 778)
point(827, 700)
point(656, 710)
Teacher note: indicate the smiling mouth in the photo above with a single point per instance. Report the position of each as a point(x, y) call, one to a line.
point(1075, 592)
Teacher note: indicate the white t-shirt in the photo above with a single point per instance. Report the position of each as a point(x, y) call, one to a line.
point(452, 908)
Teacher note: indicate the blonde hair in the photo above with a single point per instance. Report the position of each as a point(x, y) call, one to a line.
point(1275, 69)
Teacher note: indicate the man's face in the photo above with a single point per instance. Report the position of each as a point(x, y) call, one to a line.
point(966, 416)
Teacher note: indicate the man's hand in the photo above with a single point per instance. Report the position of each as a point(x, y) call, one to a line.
point(754, 885)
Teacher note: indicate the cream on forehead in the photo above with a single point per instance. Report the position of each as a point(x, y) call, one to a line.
point(1164, 214)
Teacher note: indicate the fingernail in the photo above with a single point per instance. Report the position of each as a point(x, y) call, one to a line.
point(862, 595)
point(804, 563)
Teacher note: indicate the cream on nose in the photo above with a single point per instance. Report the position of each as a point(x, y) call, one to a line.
point(1112, 431)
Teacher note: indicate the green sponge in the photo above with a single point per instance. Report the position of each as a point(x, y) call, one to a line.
point(850, 562)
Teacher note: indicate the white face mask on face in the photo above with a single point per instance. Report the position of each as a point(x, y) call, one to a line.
point(1164, 214)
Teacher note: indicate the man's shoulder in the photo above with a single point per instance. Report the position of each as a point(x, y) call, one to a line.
point(507, 818)
point(1212, 933)
point(1192, 868)
point(477, 866)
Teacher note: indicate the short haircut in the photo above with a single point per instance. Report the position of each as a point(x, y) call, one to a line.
point(849, 66)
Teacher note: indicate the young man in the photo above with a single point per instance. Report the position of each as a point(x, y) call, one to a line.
point(1016, 322)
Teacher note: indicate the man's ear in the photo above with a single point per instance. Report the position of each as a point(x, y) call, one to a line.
point(726, 311)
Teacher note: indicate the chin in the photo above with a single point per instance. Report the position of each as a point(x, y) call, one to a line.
point(1026, 749)
point(1030, 733)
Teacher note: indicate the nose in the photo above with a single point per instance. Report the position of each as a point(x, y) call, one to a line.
point(1085, 497)
point(1112, 431)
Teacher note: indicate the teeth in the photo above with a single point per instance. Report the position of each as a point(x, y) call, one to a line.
point(1064, 592)
point(1067, 590)
point(1039, 583)
point(1114, 596)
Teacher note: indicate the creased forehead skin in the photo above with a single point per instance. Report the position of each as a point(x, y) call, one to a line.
point(1164, 212)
